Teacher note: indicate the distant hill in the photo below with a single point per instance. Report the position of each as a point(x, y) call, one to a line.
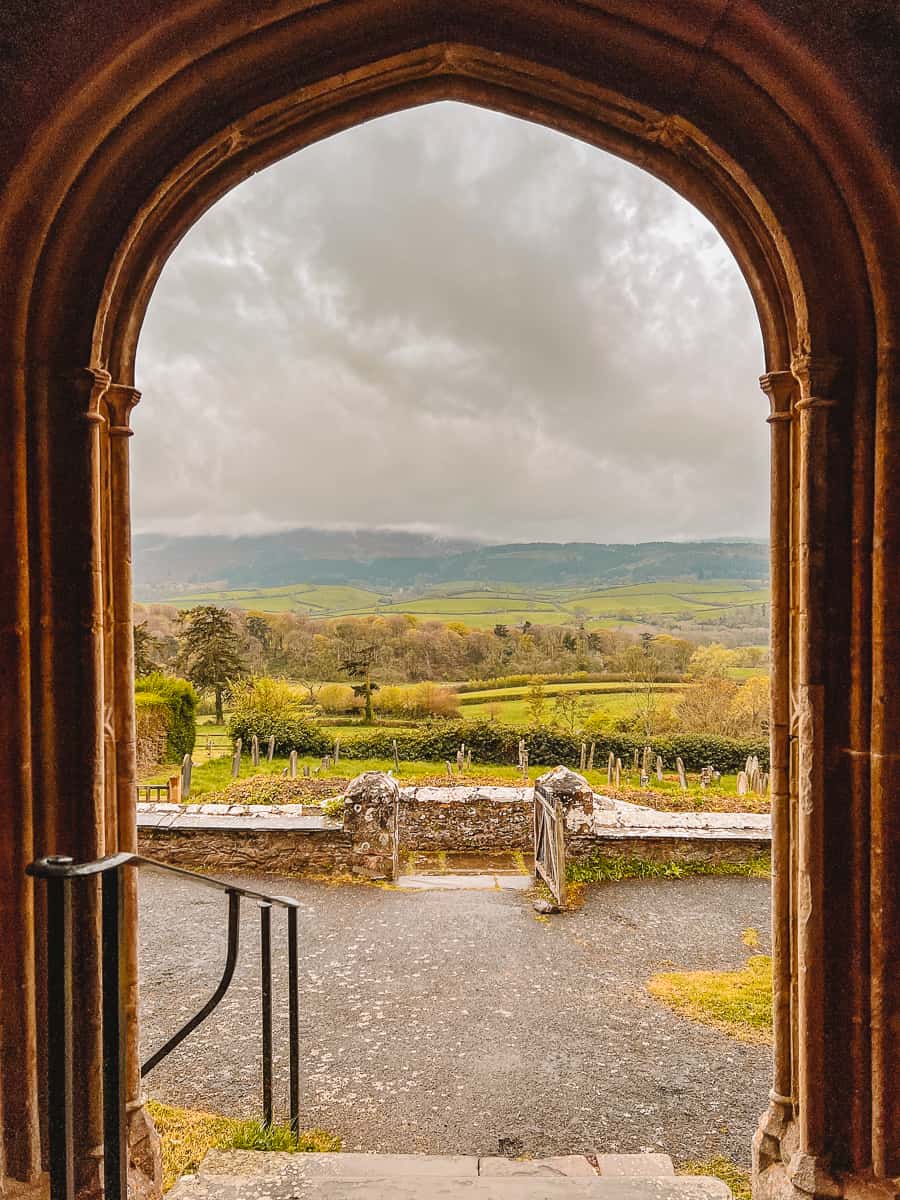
point(392, 561)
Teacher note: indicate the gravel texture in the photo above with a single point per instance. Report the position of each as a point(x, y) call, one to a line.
point(445, 1021)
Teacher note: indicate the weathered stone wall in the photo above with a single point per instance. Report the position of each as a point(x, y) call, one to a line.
point(280, 851)
point(465, 818)
point(686, 847)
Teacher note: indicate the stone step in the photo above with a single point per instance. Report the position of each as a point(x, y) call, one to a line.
point(253, 1175)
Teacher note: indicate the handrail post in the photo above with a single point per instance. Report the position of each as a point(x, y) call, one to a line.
point(59, 1035)
point(294, 1019)
point(265, 947)
point(115, 1151)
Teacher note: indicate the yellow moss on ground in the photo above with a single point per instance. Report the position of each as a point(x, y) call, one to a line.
point(186, 1135)
point(737, 1002)
point(722, 1168)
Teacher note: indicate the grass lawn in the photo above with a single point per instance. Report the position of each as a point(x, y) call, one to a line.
point(187, 1134)
point(737, 1002)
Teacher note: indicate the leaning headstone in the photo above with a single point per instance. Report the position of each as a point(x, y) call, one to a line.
point(659, 768)
point(618, 773)
point(292, 764)
point(682, 778)
point(187, 767)
point(236, 759)
point(449, 769)
point(742, 783)
point(610, 768)
point(270, 748)
point(254, 750)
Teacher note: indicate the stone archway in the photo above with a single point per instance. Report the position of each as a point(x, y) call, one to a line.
point(771, 127)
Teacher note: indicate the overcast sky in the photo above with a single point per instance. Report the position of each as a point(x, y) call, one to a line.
point(452, 320)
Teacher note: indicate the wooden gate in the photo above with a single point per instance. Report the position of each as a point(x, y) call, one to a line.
point(550, 844)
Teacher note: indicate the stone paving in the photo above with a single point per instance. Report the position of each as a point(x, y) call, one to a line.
point(445, 1021)
point(250, 1175)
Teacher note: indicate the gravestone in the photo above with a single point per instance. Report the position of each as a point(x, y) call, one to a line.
point(236, 759)
point(292, 764)
point(659, 768)
point(743, 783)
point(254, 750)
point(682, 778)
point(270, 750)
point(618, 774)
point(187, 767)
point(611, 768)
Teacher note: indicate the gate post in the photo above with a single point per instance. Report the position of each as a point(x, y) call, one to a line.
point(575, 795)
point(372, 818)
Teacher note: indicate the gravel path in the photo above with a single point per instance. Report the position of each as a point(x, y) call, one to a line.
point(444, 1021)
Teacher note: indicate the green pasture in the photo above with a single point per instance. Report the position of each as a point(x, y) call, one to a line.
point(516, 712)
point(483, 606)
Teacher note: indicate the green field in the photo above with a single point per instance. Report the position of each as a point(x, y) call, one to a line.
point(483, 607)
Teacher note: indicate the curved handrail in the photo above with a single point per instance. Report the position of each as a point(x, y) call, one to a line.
point(58, 866)
point(234, 926)
point(60, 874)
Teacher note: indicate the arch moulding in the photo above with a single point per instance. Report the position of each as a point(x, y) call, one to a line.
point(736, 106)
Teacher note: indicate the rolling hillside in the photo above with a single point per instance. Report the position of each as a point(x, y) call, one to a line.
point(407, 566)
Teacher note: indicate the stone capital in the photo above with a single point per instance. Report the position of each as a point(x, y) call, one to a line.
point(90, 385)
point(120, 399)
point(781, 389)
point(815, 374)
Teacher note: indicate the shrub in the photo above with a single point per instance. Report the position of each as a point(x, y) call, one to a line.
point(431, 700)
point(172, 700)
point(336, 698)
point(270, 706)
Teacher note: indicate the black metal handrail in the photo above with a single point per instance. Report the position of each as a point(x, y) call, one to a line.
point(60, 873)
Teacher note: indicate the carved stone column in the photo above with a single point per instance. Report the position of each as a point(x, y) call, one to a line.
point(69, 762)
point(813, 469)
point(120, 399)
point(781, 389)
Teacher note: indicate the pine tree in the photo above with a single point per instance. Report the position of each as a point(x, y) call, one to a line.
point(210, 652)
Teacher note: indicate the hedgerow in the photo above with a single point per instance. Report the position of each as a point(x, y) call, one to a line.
point(491, 742)
point(172, 701)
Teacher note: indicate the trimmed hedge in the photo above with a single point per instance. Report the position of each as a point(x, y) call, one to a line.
point(507, 681)
point(291, 732)
point(175, 701)
point(491, 742)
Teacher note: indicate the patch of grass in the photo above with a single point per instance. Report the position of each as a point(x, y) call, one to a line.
point(187, 1134)
point(737, 1002)
point(722, 1168)
point(606, 868)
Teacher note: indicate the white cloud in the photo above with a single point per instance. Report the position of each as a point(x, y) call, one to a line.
point(454, 320)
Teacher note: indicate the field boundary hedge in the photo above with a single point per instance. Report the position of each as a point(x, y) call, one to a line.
point(491, 742)
point(169, 703)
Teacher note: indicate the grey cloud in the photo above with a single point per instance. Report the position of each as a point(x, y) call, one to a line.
point(454, 320)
